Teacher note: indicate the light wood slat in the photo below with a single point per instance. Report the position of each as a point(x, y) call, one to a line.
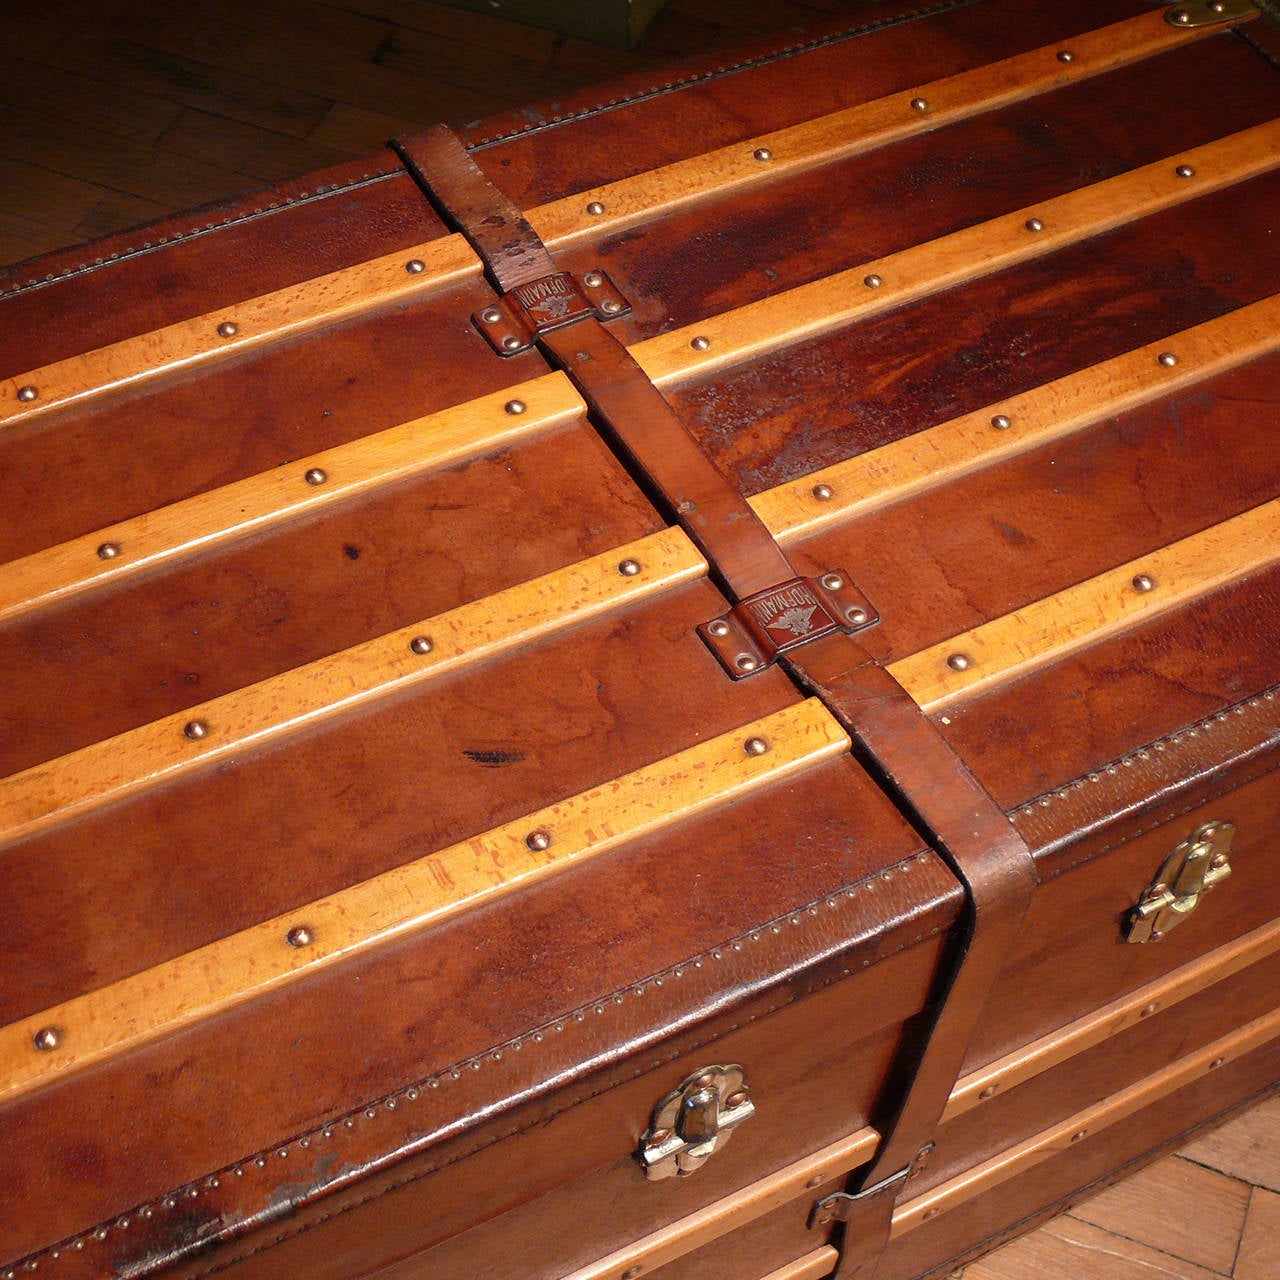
point(1017, 1160)
point(268, 318)
point(1110, 1020)
point(1037, 417)
point(1051, 628)
point(473, 633)
point(811, 310)
point(855, 130)
point(248, 506)
point(813, 1266)
point(735, 1211)
point(211, 979)
point(814, 143)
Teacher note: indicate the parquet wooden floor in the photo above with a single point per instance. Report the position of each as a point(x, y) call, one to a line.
point(116, 112)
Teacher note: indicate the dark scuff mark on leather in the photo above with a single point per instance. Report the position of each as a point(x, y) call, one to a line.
point(495, 757)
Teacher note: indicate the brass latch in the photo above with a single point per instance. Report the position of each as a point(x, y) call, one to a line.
point(694, 1120)
point(512, 324)
point(1204, 13)
point(1192, 869)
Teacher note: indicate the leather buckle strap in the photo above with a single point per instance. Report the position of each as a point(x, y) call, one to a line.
point(515, 322)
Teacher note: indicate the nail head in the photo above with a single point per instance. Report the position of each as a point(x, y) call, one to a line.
point(228, 329)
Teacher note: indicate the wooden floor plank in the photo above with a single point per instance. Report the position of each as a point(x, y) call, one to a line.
point(117, 211)
point(51, 199)
point(244, 147)
point(1259, 1256)
point(356, 130)
point(1248, 1148)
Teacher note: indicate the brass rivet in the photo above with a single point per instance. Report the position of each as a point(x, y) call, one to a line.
point(1143, 582)
point(195, 730)
point(415, 266)
point(659, 1136)
point(108, 550)
point(856, 616)
point(1034, 224)
point(929, 1213)
point(700, 343)
point(1180, 16)
point(832, 581)
point(1185, 171)
point(1217, 6)
point(873, 281)
point(47, 1039)
point(510, 343)
point(815, 1181)
point(919, 104)
point(1001, 422)
point(736, 1099)
point(593, 279)
point(595, 208)
point(491, 315)
point(632, 1272)
point(316, 475)
point(421, 644)
point(745, 662)
point(1216, 1063)
point(611, 306)
point(1148, 1010)
point(756, 746)
point(822, 492)
point(1218, 861)
point(1079, 1133)
point(762, 153)
point(228, 329)
point(298, 936)
point(28, 393)
point(515, 407)
point(959, 662)
point(628, 568)
point(539, 840)
point(718, 628)
point(1065, 55)
point(989, 1091)
point(1167, 358)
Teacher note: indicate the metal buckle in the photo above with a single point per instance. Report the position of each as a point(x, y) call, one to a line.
point(839, 1206)
point(512, 323)
point(756, 630)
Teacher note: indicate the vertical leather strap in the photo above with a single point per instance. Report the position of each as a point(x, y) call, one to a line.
point(892, 736)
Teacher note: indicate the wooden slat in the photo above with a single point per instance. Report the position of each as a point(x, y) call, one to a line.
point(211, 979)
point(1037, 417)
point(997, 1078)
point(809, 311)
point(1051, 628)
point(1024, 1156)
point(735, 1211)
point(258, 321)
point(248, 506)
point(813, 1266)
point(836, 136)
point(856, 130)
point(480, 631)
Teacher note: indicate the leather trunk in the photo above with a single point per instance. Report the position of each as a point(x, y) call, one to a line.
point(678, 683)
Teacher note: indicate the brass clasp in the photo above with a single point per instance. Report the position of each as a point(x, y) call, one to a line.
point(1190, 871)
point(694, 1120)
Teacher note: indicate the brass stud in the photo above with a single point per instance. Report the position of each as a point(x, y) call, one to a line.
point(316, 475)
point(1065, 55)
point(539, 840)
point(421, 645)
point(1180, 17)
point(632, 1273)
point(822, 492)
point(1217, 6)
point(988, 1092)
point(28, 393)
point(745, 662)
point(1079, 1133)
point(195, 730)
point(700, 343)
point(593, 279)
point(228, 329)
point(756, 746)
point(628, 568)
point(736, 1099)
point(595, 208)
point(856, 616)
point(491, 315)
point(762, 154)
point(1034, 224)
point(1216, 1063)
point(959, 662)
point(415, 266)
point(815, 1181)
point(873, 281)
point(515, 407)
point(47, 1039)
point(510, 342)
point(611, 306)
point(1167, 358)
point(298, 936)
point(1185, 171)
point(1002, 422)
point(108, 550)
point(1148, 1010)
point(832, 581)
point(919, 104)
point(718, 628)
point(1143, 582)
